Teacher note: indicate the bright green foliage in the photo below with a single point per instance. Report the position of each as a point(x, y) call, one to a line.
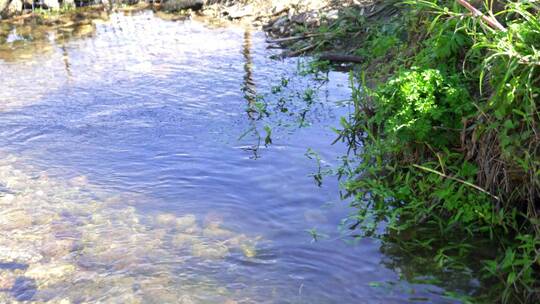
point(379, 46)
point(450, 144)
point(421, 105)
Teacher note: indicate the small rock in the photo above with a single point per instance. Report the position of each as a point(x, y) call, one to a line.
point(210, 251)
point(166, 220)
point(185, 222)
point(248, 250)
point(280, 22)
point(24, 289)
point(7, 280)
point(15, 219)
point(332, 15)
point(79, 180)
point(51, 4)
point(46, 274)
point(19, 255)
point(183, 239)
point(15, 8)
point(56, 248)
point(214, 231)
point(3, 5)
point(178, 5)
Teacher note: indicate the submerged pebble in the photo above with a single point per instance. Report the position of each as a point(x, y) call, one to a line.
point(210, 251)
point(73, 246)
point(51, 273)
point(15, 219)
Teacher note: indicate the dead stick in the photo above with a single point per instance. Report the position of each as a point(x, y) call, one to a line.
point(285, 39)
point(341, 58)
point(302, 50)
point(491, 21)
point(457, 180)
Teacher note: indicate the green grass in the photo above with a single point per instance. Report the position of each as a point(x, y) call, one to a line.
point(445, 138)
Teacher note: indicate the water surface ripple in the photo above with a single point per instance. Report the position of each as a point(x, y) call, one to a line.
point(131, 172)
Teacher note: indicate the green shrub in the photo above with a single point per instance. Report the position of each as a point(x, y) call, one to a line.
point(420, 105)
point(450, 144)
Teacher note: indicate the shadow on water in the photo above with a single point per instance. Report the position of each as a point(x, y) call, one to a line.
point(126, 180)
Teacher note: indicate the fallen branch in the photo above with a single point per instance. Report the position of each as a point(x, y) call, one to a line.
point(457, 180)
point(292, 38)
point(341, 58)
point(490, 20)
point(302, 50)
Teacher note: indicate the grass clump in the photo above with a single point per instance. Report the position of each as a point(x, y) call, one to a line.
point(446, 138)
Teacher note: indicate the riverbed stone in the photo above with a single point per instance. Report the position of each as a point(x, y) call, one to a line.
point(56, 248)
point(178, 5)
point(182, 240)
point(7, 279)
point(24, 289)
point(3, 5)
point(20, 254)
point(50, 273)
point(166, 220)
point(51, 4)
point(210, 250)
point(14, 8)
point(248, 250)
point(80, 180)
point(213, 230)
point(45, 217)
point(15, 219)
point(185, 222)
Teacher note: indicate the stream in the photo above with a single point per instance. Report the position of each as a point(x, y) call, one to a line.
point(134, 169)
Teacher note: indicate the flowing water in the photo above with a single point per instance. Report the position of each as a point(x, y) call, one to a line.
point(132, 170)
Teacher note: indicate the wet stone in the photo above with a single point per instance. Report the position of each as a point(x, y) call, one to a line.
point(213, 230)
point(10, 254)
point(248, 250)
point(181, 240)
point(186, 222)
point(24, 289)
point(15, 219)
point(7, 280)
point(210, 251)
point(56, 248)
point(46, 274)
point(166, 220)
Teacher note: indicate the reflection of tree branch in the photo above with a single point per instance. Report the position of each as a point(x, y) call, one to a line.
point(249, 88)
point(250, 92)
point(65, 57)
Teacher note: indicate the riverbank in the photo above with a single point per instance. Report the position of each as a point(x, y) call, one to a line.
point(444, 136)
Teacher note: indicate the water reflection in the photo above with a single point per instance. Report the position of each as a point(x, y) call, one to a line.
point(34, 36)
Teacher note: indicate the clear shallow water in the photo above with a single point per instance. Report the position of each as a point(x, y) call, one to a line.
point(131, 172)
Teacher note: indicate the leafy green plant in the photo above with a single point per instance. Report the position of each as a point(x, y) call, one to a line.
point(418, 105)
point(449, 143)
